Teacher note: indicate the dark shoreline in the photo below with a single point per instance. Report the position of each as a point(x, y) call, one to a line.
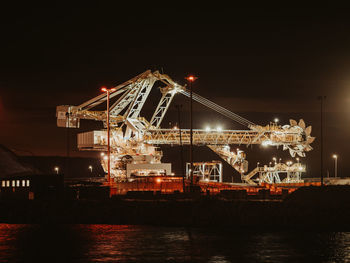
point(309, 208)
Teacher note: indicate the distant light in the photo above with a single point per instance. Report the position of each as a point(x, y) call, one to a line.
point(175, 127)
point(276, 120)
point(104, 89)
point(266, 143)
point(274, 159)
point(207, 129)
point(191, 78)
point(105, 157)
point(300, 168)
point(335, 156)
point(173, 174)
point(219, 128)
point(158, 180)
point(57, 169)
point(102, 154)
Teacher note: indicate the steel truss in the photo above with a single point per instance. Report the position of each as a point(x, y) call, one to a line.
point(140, 136)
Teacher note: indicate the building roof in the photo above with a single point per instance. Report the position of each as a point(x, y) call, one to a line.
point(10, 164)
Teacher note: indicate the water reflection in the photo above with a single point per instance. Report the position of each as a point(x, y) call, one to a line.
point(110, 243)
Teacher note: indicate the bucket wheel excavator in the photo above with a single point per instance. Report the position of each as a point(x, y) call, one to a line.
point(134, 140)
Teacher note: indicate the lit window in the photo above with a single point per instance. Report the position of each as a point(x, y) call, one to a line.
point(13, 183)
point(8, 183)
point(18, 183)
point(23, 183)
point(3, 184)
point(28, 183)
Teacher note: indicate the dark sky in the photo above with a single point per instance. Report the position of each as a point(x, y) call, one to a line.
point(259, 62)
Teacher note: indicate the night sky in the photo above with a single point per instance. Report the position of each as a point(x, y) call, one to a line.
point(258, 62)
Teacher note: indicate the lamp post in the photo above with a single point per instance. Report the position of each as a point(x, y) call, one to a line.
point(56, 169)
point(108, 91)
point(90, 168)
point(178, 107)
point(191, 79)
point(321, 98)
point(335, 157)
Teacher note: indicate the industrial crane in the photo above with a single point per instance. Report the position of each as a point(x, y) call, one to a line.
point(134, 139)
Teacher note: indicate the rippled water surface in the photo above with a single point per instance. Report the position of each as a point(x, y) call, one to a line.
point(112, 243)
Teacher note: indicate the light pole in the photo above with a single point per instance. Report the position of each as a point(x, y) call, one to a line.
point(335, 157)
point(108, 91)
point(191, 79)
point(321, 98)
point(179, 107)
point(90, 168)
point(56, 169)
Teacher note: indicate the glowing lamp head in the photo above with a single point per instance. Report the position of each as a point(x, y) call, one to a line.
point(335, 156)
point(159, 180)
point(191, 78)
point(207, 129)
point(104, 89)
point(219, 128)
point(266, 143)
point(276, 120)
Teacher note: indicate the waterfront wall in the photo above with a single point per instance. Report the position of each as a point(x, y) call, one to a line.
point(321, 208)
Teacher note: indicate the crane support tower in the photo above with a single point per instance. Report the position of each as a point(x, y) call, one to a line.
point(134, 139)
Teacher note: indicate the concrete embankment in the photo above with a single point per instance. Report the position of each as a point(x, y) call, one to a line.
point(309, 207)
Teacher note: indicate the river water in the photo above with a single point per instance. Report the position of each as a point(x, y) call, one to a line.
point(113, 243)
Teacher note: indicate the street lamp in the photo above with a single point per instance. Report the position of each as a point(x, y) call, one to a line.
point(321, 98)
point(191, 79)
point(276, 120)
point(108, 91)
point(56, 169)
point(335, 157)
point(90, 167)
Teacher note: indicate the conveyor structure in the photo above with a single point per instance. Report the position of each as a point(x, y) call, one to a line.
point(135, 140)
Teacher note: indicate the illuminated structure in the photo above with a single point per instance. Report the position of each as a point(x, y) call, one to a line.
point(206, 171)
point(133, 138)
point(291, 173)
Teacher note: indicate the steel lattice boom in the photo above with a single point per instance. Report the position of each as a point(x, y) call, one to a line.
point(134, 138)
